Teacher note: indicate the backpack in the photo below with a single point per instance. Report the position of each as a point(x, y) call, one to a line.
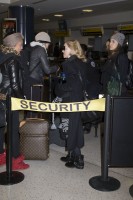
point(129, 81)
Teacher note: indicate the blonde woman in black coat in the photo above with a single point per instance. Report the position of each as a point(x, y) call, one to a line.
point(117, 57)
point(72, 91)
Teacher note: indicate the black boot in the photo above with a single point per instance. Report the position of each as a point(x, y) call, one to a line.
point(70, 160)
point(65, 158)
point(79, 162)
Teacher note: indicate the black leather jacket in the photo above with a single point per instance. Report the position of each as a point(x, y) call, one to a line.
point(11, 76)
point(39, 65)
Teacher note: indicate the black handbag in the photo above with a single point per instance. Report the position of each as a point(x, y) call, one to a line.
point(88, 116)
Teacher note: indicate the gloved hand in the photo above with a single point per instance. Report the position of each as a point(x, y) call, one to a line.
point(57, 100)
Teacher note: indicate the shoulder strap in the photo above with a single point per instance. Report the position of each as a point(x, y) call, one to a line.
point(81, 80)
point(116, 66)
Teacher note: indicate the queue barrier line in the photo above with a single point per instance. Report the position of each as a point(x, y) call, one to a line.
point(9, 177)
point(92, 105)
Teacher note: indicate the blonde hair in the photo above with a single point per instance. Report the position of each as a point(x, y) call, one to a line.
point(76, 49)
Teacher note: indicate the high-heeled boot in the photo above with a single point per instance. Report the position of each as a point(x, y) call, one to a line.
point(70, 161)
point(68, 157)
point(65, 158)
point(79, 162)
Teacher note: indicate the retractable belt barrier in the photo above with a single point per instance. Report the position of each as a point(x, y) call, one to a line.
point(92, 105)
point(114, 107)
point(10, 177)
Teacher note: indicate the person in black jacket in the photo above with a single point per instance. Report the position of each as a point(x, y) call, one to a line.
point(39, 65)
point(12, 83)
point(116, 58)
point(71, 90)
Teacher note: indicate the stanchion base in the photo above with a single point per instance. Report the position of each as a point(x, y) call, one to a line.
point(99, 184)
point(131, 190)
point(16, 177)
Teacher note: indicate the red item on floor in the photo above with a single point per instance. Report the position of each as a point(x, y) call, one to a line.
point(3, 158)
point(19, 166)
point(18, 159)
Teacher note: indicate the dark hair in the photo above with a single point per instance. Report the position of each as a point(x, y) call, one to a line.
point(84, 47)
point(115, 51)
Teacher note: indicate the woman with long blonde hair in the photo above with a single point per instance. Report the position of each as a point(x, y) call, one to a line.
point(71, 90)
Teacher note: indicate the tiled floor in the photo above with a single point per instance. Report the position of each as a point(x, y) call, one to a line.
point(51, 180)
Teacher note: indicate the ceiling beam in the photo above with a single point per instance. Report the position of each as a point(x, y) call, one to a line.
point(8, 1)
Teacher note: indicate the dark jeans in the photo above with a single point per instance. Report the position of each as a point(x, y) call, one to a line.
point(2, 139)
point(15, 135)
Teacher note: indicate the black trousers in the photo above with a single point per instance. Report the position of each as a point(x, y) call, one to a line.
point(2, 139)
point(14, 137)
point(15, 134)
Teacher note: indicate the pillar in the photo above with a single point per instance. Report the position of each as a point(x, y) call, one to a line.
point(25, 21)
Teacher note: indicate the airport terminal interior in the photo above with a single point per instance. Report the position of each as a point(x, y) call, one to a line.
point(91, 22)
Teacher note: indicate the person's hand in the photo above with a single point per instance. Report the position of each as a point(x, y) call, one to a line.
point(57, 100)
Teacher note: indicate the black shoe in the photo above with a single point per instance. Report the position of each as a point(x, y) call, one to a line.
point(70, 156)
point(70, 160)
point(79, 162)
point(65, 158)
point(70, 164)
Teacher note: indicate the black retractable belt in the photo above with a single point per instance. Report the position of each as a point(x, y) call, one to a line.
point(9, 177)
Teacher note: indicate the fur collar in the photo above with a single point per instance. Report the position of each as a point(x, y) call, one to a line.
point(7, 50)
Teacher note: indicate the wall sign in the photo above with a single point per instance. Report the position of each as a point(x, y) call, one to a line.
point(9, 25)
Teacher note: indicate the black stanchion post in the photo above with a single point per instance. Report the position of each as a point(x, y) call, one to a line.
point(131, 190)
point(9, 177)
point(104, 165)
point(50, 88)
point(104, 182)
point(50, 94)
point(9, 138)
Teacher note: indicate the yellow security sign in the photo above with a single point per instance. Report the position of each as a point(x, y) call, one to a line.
point(86, 31)
point(62, 33)
point(125, 27)
point(92, 105)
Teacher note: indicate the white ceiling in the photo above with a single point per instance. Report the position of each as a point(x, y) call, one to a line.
point(69, 8)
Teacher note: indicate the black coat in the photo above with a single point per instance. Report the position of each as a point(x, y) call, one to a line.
point(72, 91)
point(39, 65)
point(121, 62)
point(11, 75)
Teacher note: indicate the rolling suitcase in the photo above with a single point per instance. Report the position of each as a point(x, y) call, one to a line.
point(34, 138)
